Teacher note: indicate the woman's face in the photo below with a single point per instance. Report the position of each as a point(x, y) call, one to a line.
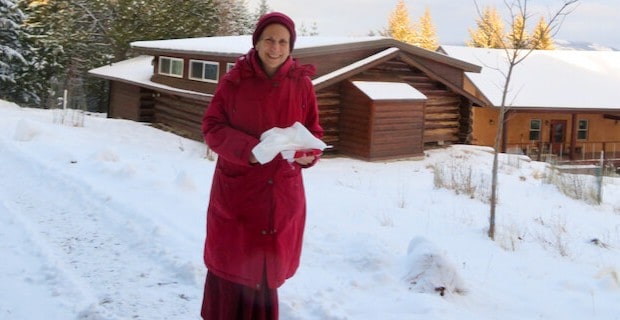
point(273, 47)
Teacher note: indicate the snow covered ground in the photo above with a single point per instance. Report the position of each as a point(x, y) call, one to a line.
point(105, 220)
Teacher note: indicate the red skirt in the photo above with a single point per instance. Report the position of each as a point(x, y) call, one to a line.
point(225, 300)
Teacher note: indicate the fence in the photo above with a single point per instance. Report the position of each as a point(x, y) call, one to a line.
point(584, 152)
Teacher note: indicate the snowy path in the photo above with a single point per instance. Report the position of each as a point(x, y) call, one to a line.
point(107, 222)
point(57, 220)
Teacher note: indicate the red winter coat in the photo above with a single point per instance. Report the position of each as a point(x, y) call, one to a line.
point(257, 213)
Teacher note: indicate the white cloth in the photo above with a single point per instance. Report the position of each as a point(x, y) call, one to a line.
point(285, 140)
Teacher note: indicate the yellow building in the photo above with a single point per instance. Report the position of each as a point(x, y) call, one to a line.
point(563, 104)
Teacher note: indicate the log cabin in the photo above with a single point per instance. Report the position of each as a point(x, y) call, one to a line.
point(561, 105)
point(378, 98)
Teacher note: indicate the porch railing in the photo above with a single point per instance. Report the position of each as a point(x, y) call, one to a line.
point(584, 152)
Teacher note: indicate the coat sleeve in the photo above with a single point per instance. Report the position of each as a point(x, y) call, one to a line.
point(312, 110)
point(312, 114)
point(228, 142)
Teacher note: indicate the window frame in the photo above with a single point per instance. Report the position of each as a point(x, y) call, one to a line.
point(584, 131)
point(171, 68)
point(533, 130)
point(204, 63)
point(229, 66)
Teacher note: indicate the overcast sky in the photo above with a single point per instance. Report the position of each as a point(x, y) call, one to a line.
point(595, 21)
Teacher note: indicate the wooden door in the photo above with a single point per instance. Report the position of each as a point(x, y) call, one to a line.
point(557, 136)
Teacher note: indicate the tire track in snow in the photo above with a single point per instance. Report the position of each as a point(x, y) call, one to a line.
point(99, 255)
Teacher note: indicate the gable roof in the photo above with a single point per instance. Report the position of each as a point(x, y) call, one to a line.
point(234, 46)
point(559, 79)
point(237, 45)
point(354, 68)
point(138, 71)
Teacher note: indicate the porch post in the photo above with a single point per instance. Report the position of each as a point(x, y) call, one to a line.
point(573, 137)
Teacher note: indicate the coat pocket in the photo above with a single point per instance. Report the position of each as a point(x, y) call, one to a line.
point(240, 197)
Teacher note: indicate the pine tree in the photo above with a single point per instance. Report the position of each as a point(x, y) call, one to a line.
point(234, 18)
point(541, 36)
point(490, 31)
point(135, 20)
point(518, 37)
point(262, 9)
point(427, 34)
point(399, 24)
point(69, 39)
point(12, 60)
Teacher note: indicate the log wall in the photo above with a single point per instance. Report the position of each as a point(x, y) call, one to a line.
point(183, 116)
point(446, 117)
point(376, 130)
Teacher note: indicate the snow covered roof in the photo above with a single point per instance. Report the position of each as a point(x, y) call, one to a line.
point(354, 66)
point(389, 90)
point(234, 46)
point(138, 70)
point(238, 45)
point(563, 79)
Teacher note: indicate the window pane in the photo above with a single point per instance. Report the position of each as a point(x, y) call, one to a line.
point(583, 124)
point(535, 124)
point(535, 135)
point(582, 135)
point(196, 71)
point(164, 66)
point(177, 67)
point(211, 71)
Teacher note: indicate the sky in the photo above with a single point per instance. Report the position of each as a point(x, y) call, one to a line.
point(104, 219)
point(591, 21)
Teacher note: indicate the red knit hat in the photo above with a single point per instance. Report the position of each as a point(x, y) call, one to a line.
point(271, 18)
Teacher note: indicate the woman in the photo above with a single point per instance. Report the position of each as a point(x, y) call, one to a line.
point(256, 214)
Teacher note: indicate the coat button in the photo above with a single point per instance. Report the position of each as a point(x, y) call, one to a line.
point(270, 181)
point(264, 232)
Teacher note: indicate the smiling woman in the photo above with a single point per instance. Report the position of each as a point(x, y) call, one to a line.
point(273, 48)
point(257, 210)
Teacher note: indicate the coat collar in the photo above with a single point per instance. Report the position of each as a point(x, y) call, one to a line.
point(249, 65)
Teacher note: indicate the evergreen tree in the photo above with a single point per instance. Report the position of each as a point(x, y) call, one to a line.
point(490, 30)
point(12, 50)
point(234, 18)
point(263, 8)
point(74, 36)
point(541, 36)
point(135, 20)
point(400, 26)
point(518, 37)
point(427, 34)
point(69, 39)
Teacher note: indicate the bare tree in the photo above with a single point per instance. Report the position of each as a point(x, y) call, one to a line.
point(521, 49)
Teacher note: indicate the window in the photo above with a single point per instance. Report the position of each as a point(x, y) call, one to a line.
point(204, 70)
point(229, 66)
point(171, 66)
point(582, 130)
point(535, 125)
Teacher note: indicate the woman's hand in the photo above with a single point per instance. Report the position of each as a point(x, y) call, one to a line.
point(305, 160)
point(253, 160)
